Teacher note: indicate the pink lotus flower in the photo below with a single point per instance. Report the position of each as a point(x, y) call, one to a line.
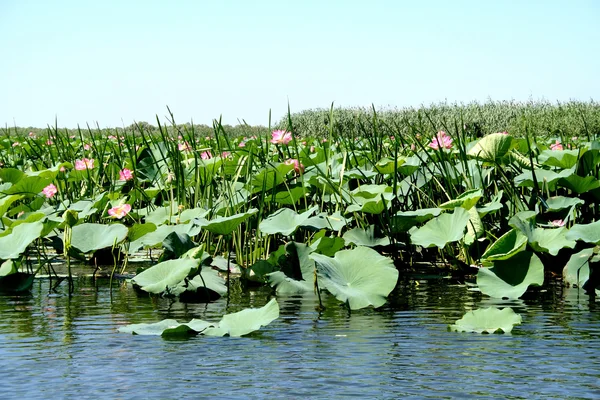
point(504, 133)
point(281, 137)
point(49, 191)
point(32, 135)
point(119, 211)
point(298, 167)
point(556, 146)
point(125, 174)
point(184, 146)
point(225, 154)
point(242, 144)
point(62, 169)
point(557, 222)
point(112, 137)
point(16, 144)
point(86, 146)
point(49, 142)
point(441, 140)
point(205, 155)
point(86, 163)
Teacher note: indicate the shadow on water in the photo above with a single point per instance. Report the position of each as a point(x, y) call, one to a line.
point(53, 345)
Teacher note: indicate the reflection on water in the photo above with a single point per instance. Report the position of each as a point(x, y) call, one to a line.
point(53, 346)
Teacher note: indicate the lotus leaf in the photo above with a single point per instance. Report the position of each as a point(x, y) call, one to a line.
point(226, 225)
point(365, 237)
point(492, 147)
point(577, 270)
point(156, 237)
point(442, 230)
point(7, 268)
point(589, 233)
point(246, 321)
point(579, 184)
point(543, 176)
point(506, 246)
point(328, 246)
point(90, 236)
point(559, 203)
point(511, 277)
point(404, 220)
point(466, 200)
point(487, 320)
point(13, 244)
point(559, 158)
point(29, 185)
point(165, 276)
point(300, 277)
point(285, 221)
point(335, 222)
point(291, 196)
point(360, 277)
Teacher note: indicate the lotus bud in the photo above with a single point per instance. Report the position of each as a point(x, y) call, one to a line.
point(71, 217)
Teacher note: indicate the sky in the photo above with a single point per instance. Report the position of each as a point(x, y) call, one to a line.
point(114, 62)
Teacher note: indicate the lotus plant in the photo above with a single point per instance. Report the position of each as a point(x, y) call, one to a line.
point(441, 140)
point(119, 211)
point(281, 137)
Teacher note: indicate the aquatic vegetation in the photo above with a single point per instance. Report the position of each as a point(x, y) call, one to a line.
point(487, 320)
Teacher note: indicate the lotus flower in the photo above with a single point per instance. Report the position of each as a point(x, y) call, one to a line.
point(86, 163)
point(556, 146)
point(205, 155)
point(298, 167)
point(184, 146)
point(119, 211)
point(225, 154)
point(281, 137)
point(441, 140)
point(557, 222)
point(125, 174)
point(49, 191)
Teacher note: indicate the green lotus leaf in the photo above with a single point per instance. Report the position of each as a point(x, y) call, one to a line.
point(166, 327)
point(11, 175)
point(328, 246)
point(579, 184)
point(475, 227)
point(388, 166)
point(7, 268)
point(90, 236)
point(550, 240)
point(157, 236)
point(226, 225)
point(30, 185)
point(165, 276)
point(442, 230)
point(510, 278)
point(559, 203)
point(246, 321)
point(372, 191)
point(259, 271)
point(300, 273)
point(138, 230)
point(559, 158)
point(506, 246)
point(494, 205)
point(207, 278)
point(360, 277)
point(269, 177)
point(543, 176)
point(285, 221)
point(491, 147)
point(410, 165)
point(404, 220)
point(577, 270)
point(589, 233)
point(335, 222)
point(291, 196)
point(365, 237)
point(373, 206)
point(487, 320)
point(161, 215)
point(466, 200)
point(7, 201)
point(15, 243)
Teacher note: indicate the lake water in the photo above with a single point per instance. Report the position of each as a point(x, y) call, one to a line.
point(56, 346)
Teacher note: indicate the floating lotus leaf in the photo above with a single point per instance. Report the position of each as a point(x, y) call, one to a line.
point(506, 246)
point(404, 220)
point(442, 230)
point(579, 184)
point(365, 237)
point(589, 233)
point(15, 243)
point(285, 221)
point(510, 278)
point(303, 266)
point(577, 270)
point(89, 236)
point(246, 321)
point(559, 158)
point(165, 276)
point(487, 320)
point(226, 225)
point(166, 328)
point(491, 147)
point(360, 277)
point(335, 222)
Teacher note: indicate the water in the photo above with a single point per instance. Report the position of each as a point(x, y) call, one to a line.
point(53, 346)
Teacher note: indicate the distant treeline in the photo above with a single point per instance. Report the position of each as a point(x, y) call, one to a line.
point(568, 119)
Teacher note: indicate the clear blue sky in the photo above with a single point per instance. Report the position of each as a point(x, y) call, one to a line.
point(119, 61)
